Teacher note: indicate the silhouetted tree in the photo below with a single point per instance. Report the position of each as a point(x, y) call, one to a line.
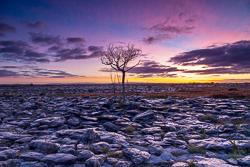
point(118, 58)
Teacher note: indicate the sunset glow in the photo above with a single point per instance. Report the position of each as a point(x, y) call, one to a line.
point(181, 41)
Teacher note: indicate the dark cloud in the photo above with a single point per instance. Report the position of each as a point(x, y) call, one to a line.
point(9, 67)
point(150, 68)
point(34, 72)
point(172, 27)
point(20, 51)
point(231, 58)
point(45, 39)
point(43, 60)
point(95, 48)
point(75, 40)
point(154, 67)
point(54, 74)
point(37, 24)
point(76, 53)
point(157, 38)
point(54, 48)
point(6, 28)
point(6, 73)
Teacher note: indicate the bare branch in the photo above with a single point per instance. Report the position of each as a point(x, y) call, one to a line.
point(134, 66)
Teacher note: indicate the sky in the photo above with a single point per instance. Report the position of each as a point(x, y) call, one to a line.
point(182, 41)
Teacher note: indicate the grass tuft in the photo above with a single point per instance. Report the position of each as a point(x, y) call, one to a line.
point(196, 150)
point(130, 129)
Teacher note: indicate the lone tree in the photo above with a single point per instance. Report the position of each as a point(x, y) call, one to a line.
point(118, 58)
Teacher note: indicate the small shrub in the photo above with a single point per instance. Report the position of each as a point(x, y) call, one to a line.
point(234, 156)
point(210, 118)
point(193, 150)
point(121, 104)
point(176, 154)
point(104, 150)
point(203, 135)
point(162, 134)
point(236, 151)
point(130, 129)
point(191, 163)
point(112, 154)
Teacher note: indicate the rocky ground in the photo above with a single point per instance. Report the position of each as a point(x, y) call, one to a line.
point(42, 131)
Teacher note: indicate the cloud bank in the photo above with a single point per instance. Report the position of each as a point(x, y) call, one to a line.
point(231, 58)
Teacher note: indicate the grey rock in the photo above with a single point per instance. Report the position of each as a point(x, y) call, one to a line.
point(232, 161)
point(212, 143)
point(136, 155)
point(174, 141)
point(8, 154)
point(151, 130)
point(90, 135)
point(180, 164)
point(166, 156)
point(32, 156)
point(74, 121)
point(110, 127)
point(108, 117)
point(170, 135)
point(100, 147)
point(95, 161)
point(84, 155)
point(9, 163)
point(200, 161)
point(244, 161)
point(12, 136)
point(111, 161)
point(113, 138)
point(123, 164)
point(70, 149)
point(155, 160)
point(168, 128)
point(144, 116)
point(44, 146)
point(52, 122)
point(59, 159)
point(155, 149)
point(24, 140)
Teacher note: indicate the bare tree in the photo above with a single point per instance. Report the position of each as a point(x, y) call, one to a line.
point(118, 58)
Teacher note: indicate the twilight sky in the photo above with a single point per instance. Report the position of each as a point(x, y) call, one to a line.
point(182, 41)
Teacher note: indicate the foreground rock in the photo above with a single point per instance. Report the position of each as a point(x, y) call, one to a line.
point(85, 131)
point(136, 155)
point(59, 159)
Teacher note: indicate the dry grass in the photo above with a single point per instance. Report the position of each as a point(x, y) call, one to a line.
point(215, 92)
point(196, 150)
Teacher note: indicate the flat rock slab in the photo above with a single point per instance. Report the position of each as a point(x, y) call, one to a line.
point(59, 159)
point(136, 155)
point(44, 146)
point(200, 161)
point(244, 161)
point(32, 156)
point(212, 143)
point(123, 164)
point(8, 154)
point(144, 116)
point(95, 161)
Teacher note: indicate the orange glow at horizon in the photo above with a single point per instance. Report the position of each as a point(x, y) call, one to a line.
point(104, 80)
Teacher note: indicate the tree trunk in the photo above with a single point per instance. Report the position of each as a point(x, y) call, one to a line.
point(123, 86)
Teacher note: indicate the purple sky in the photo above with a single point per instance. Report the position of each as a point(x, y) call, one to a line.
point(182, 41)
